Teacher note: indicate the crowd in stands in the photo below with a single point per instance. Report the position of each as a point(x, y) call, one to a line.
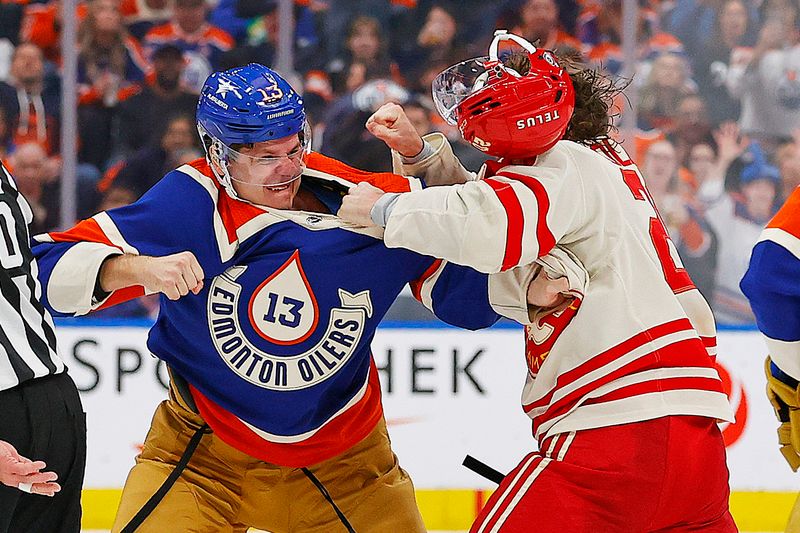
point(717, 93)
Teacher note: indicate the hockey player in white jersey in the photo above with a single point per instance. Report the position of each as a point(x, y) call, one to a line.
point(621, 387)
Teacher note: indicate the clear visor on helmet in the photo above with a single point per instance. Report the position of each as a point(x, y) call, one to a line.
point(270, 170)
point(454, 84)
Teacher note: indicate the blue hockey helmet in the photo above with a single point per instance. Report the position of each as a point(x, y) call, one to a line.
point(246, 105)
point(249, 104)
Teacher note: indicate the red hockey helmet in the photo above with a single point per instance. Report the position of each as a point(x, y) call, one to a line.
point(502, 112)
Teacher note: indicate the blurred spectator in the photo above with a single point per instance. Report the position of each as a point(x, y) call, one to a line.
point(694, 22)
point(788, 159)
point(38, 182)
point(203, 44)
point(539, 21)
point(143, 116)
point(419, 115)
point(712, 65)
point(738, 220)
point(600, 30)
point(667, 84)
point(690, 125)
point(41, 26)
point(365, 45)
point(347, 139)
point(338, 22)
point(568, 11)
point(6, 146)
point(140, 16)
point(116, 195)
point(6, 51)
point(145, 167)
point(767, 84)
point(696, 243)
point(110, 68)
point(32, 103)
point(436, 41)
point(10, 21)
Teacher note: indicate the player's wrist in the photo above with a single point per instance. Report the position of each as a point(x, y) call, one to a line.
point(382, 209)
point(424, 152)
point(121, 271)
point(413, 149)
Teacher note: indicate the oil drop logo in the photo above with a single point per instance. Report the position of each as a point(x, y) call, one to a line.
point(283, 309)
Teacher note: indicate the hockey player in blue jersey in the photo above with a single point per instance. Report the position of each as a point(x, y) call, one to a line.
point(772, 284)
point(268, 307)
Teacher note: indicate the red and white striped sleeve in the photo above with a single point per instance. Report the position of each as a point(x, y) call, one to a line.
point(491, 225)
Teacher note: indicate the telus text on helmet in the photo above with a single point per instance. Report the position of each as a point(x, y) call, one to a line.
point(542, 118)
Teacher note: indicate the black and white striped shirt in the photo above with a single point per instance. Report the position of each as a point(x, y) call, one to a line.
point(27, 336)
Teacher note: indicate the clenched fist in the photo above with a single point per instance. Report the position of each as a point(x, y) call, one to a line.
point(391, 125)
point(174, 275)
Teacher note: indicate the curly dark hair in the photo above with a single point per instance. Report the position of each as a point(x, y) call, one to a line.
point(594, 95)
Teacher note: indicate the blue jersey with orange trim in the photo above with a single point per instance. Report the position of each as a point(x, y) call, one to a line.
point(276, 346)
point(209, 41)
point(772, 284)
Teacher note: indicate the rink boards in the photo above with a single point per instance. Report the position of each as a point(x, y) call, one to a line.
point(447, 393)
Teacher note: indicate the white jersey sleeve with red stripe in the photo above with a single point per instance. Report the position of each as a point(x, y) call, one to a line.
point(535, 206)
point(640, 342)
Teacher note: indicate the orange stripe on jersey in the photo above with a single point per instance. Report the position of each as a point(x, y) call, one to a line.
point(84, 231)
point(163, 31)
point(336, 436)
point(219, 37)
point(416, 285)
point(788, 218)
point(234, 213)
point(385, 181)
point(122, 295)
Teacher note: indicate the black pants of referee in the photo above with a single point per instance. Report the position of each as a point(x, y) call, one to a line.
point(44, 420)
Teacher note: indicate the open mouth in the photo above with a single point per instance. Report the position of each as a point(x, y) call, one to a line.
point(277, 188)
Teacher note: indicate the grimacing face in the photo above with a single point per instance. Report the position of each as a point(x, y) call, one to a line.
point(259, 181)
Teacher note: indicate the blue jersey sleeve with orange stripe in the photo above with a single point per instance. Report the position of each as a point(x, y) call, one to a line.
point(174, 216)
point(772, 285)
point(772, 280)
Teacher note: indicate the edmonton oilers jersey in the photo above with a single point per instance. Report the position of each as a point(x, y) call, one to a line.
point(772, 284)
point(276, 346)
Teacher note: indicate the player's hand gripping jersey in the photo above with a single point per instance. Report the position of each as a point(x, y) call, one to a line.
point(276, 346)
point(639, 343)
point(772, 284)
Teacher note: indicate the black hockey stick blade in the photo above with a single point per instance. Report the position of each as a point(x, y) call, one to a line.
point(482, 469)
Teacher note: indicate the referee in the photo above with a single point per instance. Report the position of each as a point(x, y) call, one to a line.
point(40, 411)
